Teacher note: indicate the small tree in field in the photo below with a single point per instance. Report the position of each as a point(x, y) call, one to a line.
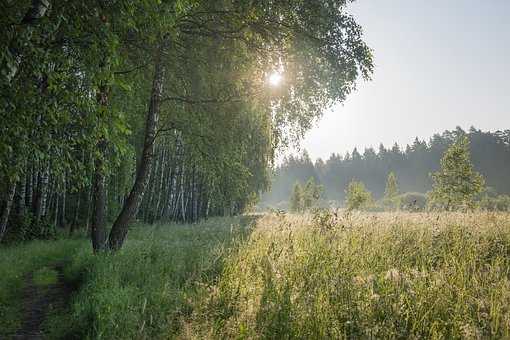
point(456, 184)
point(296, 199)
point(357, 195)
point(311, 194)
point(391, 194)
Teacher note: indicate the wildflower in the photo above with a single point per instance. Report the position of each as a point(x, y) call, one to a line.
point(393, 275)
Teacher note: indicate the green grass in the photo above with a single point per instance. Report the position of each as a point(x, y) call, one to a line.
point(45, 277)
point(148, 288)
point(395, 275)
point(17, 262)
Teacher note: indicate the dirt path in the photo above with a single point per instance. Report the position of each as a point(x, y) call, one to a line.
point(39, 301)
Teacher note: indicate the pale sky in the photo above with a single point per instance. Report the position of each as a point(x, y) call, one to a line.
point(439, 64)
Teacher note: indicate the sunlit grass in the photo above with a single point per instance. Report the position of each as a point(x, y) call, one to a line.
point(368, 275)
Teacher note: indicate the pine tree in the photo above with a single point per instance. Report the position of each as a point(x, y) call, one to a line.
point(391, 192)
point(296, 199)
point(456, 184)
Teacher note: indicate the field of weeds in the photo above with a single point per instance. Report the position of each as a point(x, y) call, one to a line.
point(387, 275)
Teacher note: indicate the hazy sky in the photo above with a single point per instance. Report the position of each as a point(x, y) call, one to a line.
point(439, 64)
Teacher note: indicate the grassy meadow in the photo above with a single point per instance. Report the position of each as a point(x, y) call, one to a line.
point(359, 275)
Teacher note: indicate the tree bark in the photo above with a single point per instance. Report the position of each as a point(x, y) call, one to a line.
point(132, 203)
point(28, 186)
point(4, 217)
point(97, 228)
point(19, 197)
point(98, 232)
point(42, 192)
point(62, 217)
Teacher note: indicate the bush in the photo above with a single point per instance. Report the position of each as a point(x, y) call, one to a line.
point(413, 201)
point(495, 203)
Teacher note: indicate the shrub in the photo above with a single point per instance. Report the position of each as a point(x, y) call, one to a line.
point(413, 201)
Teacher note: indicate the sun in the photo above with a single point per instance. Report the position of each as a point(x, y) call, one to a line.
point(275, 79)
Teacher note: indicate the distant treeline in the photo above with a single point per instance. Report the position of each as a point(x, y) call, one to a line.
point(490, 152)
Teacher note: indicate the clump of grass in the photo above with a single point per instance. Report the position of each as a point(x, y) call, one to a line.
point(370, 275)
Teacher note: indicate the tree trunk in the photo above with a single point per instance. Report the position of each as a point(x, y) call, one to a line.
point(42, 193)
point(97, 229)
point(98, 232)
point(19, 198)
point(4, 217)
point(74, 222)
point(62, 217)
point(132, 203)
point(28, 186)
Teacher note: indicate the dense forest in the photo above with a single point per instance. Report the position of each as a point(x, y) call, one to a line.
point(159, 110)
point(412, 165)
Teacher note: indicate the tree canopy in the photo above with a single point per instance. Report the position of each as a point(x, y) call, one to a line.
point(115, 110)
point(456, 184)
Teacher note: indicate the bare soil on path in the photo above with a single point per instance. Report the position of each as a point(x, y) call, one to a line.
point(39, 301)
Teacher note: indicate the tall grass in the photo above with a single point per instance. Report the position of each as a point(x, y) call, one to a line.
point(146, 290)
point(384, 276)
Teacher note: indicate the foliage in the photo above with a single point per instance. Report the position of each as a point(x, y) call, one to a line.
point(312, 193)
point(495, 203)
point(391, 194)
point(296, 200)
point(305, 197)
point(456, 184)
point(358, 197)
point(413, 201)
point(77, 78)
point(412, 165)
